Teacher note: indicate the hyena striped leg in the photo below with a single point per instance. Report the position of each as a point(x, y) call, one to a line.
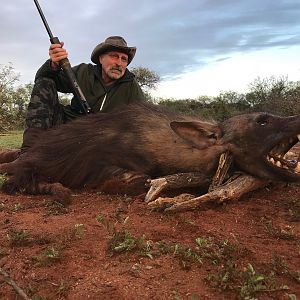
point(7, 168)
point(57, 190)
point(9, 155)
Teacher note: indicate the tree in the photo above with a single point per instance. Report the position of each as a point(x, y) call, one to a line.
point(13, 100)
point(275, 95)
point(146, 78)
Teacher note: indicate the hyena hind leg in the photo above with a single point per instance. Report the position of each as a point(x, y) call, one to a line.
point(9, 155)
point(59, 192)
point(8, 168)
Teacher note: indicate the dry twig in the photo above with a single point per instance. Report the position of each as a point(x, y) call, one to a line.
point(11, 282)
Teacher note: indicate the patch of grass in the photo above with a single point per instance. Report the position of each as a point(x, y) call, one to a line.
point(253, 282)
point(222, 255)
point(17, 207)
point(79, 230)
point(17, 238)
point(286, 233)
point(11, 208)
point(2, 205)
point(3, 178)
point(186, 255)
point(62, 289)
point(120, 240)
point(295, 275)
point(49, 256)
point(293, 205)
point(280, 266)
point(55, 208)
point(124, 241)
point(224, 277)
point(11, 140)
point(246, 282)
point(2, 252)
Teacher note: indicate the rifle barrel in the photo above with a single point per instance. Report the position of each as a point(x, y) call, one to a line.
point(43, 19)
point(66, 66)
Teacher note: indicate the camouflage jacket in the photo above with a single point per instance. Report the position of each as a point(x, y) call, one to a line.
point(126, 90)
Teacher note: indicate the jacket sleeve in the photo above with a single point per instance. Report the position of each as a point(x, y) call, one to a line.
point(61, 81)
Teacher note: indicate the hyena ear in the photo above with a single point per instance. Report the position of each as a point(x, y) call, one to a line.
point(200, 134)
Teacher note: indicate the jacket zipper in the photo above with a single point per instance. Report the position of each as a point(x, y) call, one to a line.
point(104, 99)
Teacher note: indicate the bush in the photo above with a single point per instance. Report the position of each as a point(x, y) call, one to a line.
point(13, 100)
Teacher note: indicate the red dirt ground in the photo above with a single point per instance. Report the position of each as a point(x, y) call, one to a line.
point(57, 252)
point(103, 246)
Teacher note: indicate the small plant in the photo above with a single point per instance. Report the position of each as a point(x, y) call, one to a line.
point(286, 233)
point(79, 230)
point(295, 275)
point(18, 207)
point(122, 241)
point(293, 205)
point(3, 178)
point(49, 256)
point(17, 238)
point(246, 282)
point(101, 219)
point(2, 252)
point(253, 283)
point(225, 277)
point(2, 205)
point(62, 289)
point(55, 208)
point(52, 254)
point(279, 265)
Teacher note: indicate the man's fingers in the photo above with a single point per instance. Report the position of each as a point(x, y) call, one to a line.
point(58, 57)
point(57, 53)
point(53, 46)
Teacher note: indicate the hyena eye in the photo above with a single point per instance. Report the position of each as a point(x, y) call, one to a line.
point(262, 121)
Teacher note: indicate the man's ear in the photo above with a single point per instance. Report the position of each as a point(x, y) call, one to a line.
point(199, 134)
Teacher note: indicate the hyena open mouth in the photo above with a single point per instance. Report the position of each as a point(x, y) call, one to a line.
point(286, 155)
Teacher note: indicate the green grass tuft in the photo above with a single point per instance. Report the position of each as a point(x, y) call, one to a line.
point(11, 140)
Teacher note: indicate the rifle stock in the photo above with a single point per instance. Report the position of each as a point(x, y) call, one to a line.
point(66, 66)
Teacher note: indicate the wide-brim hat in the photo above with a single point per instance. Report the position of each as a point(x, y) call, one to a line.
point(113, 43)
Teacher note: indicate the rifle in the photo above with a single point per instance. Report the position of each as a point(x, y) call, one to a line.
point(66, 66)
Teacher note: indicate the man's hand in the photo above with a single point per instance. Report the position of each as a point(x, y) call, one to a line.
point(57, 53)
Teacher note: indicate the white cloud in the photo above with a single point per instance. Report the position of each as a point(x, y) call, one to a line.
point(235, 73)
point(172, 37)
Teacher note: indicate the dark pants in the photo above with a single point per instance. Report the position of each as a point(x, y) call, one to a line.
point(44, 111)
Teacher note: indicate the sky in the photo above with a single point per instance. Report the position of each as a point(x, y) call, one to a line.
point(198, 47)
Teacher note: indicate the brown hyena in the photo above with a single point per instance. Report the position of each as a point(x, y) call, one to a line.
point(147, 140)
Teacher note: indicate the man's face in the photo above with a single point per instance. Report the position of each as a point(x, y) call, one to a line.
point(114, 64)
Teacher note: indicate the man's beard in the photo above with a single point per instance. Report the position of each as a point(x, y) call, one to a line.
point(115, 73)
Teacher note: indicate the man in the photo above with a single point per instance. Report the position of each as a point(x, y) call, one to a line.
point(106, 84)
